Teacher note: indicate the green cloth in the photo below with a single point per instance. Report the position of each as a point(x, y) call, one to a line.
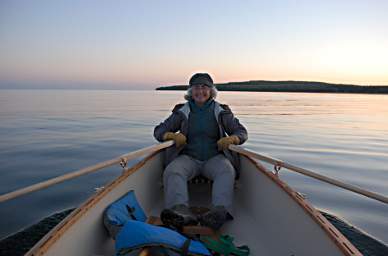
point(203, 132)
point(225, 246)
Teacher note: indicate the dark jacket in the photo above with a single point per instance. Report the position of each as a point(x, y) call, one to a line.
point(178, 121)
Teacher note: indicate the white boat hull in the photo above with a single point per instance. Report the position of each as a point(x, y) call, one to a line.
point(270, 217)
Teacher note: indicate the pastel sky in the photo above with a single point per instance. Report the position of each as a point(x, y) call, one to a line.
point(144, 44)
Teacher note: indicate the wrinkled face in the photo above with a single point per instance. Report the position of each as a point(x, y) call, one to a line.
point(200, 94)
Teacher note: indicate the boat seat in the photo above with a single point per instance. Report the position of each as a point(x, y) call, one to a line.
point(200, 179)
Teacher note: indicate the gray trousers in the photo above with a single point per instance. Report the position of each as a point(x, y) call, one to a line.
point(183, 168)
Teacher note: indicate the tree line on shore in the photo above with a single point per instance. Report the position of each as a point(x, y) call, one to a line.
point(289, 86)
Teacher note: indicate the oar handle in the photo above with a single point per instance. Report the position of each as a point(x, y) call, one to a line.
point(87, 170)
point(309, 173)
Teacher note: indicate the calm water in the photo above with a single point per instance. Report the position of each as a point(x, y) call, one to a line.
point(45, 133)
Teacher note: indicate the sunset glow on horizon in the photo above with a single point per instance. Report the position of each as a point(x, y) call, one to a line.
point(146, 44)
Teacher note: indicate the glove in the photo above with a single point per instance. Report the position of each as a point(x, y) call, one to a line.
point(178, 138)
point(224, 142)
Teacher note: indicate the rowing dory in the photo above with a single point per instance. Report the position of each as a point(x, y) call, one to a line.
point(269, 216)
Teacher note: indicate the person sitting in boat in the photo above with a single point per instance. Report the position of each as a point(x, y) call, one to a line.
point(202, 130)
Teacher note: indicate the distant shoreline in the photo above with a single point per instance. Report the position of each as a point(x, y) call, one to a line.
point(290, 86)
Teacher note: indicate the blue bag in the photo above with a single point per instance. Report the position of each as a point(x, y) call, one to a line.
point(136, 235)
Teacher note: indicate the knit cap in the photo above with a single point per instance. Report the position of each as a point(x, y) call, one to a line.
point(201, 78)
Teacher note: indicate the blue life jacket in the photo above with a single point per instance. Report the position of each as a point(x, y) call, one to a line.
point(124, 209)
point(135, 235)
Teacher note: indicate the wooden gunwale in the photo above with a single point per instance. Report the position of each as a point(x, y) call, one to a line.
point(339, 239)
point(50, 238)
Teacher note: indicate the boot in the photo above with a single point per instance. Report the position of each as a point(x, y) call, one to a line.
point(215, 218)
point(178, 216)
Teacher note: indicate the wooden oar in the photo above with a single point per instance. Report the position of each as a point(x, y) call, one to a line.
point(148, 150)
point(280, 163)
point(87, 170)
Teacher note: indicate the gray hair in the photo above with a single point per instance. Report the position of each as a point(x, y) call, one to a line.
point(213, 93)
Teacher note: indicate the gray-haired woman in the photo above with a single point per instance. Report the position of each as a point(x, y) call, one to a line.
point(202, 130)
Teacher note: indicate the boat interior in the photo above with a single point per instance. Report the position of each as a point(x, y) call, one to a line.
point(269, 217)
